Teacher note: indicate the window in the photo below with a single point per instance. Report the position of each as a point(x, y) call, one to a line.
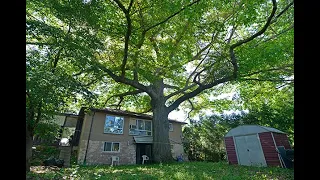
point(170, 127)
point(140, 127)
point(111, 147)
point(114, 125)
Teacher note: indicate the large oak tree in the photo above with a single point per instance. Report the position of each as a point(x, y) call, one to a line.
point(168, 52)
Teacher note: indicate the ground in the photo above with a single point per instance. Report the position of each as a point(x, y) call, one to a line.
point(177, 170)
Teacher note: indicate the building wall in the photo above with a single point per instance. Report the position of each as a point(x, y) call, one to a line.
point(282, 140)
point(269, 149)
point(176, 141)
point(231, 151)
point(127, 154)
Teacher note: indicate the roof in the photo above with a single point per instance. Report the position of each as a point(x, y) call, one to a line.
point(250, 129)
point(143, 139)
point(147, 139)
point(131, 114)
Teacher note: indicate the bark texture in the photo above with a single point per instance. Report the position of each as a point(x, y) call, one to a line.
point(29, 143)
point(161, 144)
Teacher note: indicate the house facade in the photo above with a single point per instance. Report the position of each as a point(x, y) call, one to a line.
point(103, 133)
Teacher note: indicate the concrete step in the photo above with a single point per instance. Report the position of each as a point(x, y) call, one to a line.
point(65, 154)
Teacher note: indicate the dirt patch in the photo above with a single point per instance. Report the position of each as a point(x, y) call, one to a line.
point(44, 169)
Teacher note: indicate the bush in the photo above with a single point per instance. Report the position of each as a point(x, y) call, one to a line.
point(41, 153)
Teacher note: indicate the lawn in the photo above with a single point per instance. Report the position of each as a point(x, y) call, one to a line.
point(185, 171)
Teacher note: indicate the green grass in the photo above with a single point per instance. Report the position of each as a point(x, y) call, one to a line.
point(185, 171)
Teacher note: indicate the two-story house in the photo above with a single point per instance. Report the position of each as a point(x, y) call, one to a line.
point(103, 133)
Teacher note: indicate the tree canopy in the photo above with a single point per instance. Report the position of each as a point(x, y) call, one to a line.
point(154, 55)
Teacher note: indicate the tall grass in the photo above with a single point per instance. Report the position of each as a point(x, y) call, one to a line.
point(183, 171)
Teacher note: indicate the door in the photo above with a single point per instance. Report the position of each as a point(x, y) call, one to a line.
point(242, 150)
point(143, 149)
point(249, 151)
point(255, 151)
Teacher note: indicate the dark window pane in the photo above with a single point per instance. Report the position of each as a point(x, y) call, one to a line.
point(115, 147)
point(107, 146)
point(170, 127)
point(148, 125)
point(141, 124)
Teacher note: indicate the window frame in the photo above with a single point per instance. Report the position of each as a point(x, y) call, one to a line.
point(105, 122)
point(137, 127)
point(171, 129)
point(112, 147)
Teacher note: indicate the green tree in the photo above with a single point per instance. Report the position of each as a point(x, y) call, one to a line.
point(163, 53)
point(270, 104)
point(53, 54)
point(204, 139)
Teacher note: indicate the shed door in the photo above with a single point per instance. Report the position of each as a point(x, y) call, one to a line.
point(241, 148)
point(249, 150)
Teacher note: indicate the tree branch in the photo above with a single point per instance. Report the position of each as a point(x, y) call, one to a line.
point(124, 94)
point(125, 80)
point(57, 57)
point(266, 70)
point(231, 34)
point(37, 120)
point(171, 16)
point(283, 11)
point(197, 91)
point(39, 43)
point(283, 85)
point(170, 86)
point(140, 43)
point(192, 108)
point(272, 80)
point(275, 36)
point(93, 81)
point(127, 36)
point(179, 91)
point(259, 32)
point(213, 38)
point(232, 47)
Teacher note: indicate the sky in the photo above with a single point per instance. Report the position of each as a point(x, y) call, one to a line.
point(181, 115)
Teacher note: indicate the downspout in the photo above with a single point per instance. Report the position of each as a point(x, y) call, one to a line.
point(64, 123)
point(62, 129)
point(85, 155)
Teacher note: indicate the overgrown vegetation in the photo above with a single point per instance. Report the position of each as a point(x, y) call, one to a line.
point(43, 152)
point(204, 139)
point(49, 131)
point(185, 170)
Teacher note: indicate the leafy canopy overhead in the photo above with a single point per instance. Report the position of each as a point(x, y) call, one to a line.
point(189, 45)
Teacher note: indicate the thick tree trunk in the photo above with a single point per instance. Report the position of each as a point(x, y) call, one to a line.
point(29, 142)
point(161, 149)
point(161, 143)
